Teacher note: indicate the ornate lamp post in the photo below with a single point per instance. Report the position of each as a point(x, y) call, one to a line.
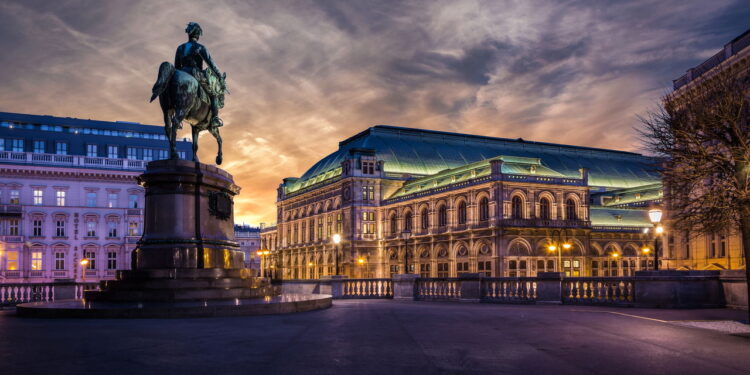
point(337, 245)
point(559, 244)
point(406, 235)
point(655, 216)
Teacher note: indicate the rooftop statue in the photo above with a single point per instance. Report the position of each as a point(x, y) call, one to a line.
point(189, 93)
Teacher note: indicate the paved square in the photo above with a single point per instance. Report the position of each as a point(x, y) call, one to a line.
point(383, 337)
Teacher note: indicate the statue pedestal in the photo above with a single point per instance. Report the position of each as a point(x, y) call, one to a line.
point(187, 263)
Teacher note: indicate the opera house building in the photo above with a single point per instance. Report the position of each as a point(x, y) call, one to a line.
point(397, 200)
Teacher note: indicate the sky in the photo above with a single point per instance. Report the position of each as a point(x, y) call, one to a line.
point(305, 75)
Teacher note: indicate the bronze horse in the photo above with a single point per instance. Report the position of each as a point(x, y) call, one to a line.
point(180, 99)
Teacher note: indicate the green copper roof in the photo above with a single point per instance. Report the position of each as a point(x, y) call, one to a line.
point(619, 217)
point(511, 165)
point(426, 152)
point(631, 196)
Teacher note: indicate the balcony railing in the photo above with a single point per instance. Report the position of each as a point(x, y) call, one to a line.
point(10, 209)
point(11, 239)
point(71, 161)
point(546, 223)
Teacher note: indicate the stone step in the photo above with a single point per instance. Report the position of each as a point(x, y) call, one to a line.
point(224, 282)
point(183, 273)
point(186, 294)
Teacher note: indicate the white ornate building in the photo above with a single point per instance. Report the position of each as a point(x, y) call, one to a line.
point(440, 204)
point(68, 190)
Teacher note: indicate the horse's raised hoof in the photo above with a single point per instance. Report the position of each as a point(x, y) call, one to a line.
point(218, 159)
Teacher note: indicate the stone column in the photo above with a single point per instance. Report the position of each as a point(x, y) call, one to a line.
point(549, 288)
point(404, 286)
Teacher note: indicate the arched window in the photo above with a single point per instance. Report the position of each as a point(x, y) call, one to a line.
point(516, 208)
point(544, 209)
point(571, 212)
point(484, 209)
point(442, 216)
point(425, 216)
point(394, 224)
point(519, 249)
point(408, 221)
point(462, 212)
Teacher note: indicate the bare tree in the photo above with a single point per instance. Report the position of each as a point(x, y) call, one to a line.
point(703, 134)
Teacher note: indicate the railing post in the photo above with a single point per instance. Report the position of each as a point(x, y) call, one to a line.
point(471, 287)
point(404, 286)
point(336, 284)
point(549, 288)
point(64, 289)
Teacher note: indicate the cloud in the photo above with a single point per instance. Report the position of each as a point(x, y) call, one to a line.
point(306, 74)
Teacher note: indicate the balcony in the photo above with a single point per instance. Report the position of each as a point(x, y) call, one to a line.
point(132, 239)
point(71, 161)
point(11, 239)
point(10, 210)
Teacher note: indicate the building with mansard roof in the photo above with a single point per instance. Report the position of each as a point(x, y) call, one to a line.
point(440, 204)
point(68, 191)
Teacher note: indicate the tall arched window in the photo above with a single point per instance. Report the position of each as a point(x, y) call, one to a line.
point(408, 221)
point(516, 208)
point(484, 209)
point(544, 209)
point(571, 210)
point(442, 216)
point(394, 224)
point(425, 216)
point(462, 212)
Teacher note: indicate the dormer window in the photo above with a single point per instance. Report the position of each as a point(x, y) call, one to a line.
point(368, 167)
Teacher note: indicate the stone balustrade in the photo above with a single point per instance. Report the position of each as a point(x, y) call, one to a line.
point(13, 294)
point(664, 289)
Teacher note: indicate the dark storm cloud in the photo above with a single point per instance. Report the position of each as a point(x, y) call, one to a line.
point(306, 74)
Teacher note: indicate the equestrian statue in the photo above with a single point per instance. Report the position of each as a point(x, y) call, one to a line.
point(188, 93)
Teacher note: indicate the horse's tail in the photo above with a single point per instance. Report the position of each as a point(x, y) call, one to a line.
point(166, 70)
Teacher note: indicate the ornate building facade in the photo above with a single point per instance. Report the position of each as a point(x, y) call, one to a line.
point(440, 204)
point(717, 251)
point(68, 191)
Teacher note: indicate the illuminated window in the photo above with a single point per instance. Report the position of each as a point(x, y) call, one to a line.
point(61, 148)
point(329, 227)
point(368, 193)
point(39, 147)
point(60, 195)
point(12, 261)
point(15, 197)
point(38, 195)
point(112, 200)
point(90, 229)
point(339, 223)
point(132, 228)
point(36, 260)
point(17, 145)
point(92, 150)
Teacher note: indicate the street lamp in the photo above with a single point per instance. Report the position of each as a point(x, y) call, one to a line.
point(654, 215)
point(337, 245)
point(406, 234)
point(84, 263)
point(361, 261)
point(558, 244)
point(262, 254)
